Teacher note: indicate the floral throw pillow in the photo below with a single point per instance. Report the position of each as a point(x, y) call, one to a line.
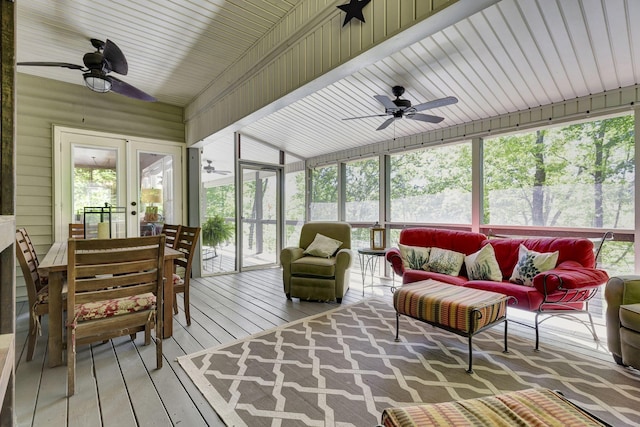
point(483, 265)
point(414, 257)
point(323, 246)
point(531, 263)
point(445, 261)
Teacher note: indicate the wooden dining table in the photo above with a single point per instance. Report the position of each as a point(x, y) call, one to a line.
point(54, 265)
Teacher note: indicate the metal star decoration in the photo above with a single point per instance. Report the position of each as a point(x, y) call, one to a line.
point(354, 10)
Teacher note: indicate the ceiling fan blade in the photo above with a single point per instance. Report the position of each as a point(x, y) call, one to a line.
point(53, 64)
point(425, 118)
point(436, 103)
point(366, 117)
point(386, 102)
point(115, 58)
point(386, 123)
point(118, 86)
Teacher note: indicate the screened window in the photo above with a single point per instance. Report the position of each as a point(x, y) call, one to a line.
point(363, 190)
point(324, 194)
point(577, 176)
point(432, 185)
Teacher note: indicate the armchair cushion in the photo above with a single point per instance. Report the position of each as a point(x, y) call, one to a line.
point(314, 266)
point(630, 316)
point(322, 246)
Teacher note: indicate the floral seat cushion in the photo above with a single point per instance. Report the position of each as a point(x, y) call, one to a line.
point(177, 280)
point(114, 307)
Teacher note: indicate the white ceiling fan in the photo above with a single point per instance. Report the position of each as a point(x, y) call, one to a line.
point(209, 168)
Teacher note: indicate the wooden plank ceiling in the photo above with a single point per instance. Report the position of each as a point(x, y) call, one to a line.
point(515, 55)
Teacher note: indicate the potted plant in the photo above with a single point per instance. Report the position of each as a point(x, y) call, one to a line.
point(215, 231)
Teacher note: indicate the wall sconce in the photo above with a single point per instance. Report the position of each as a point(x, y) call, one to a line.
point(377, 236)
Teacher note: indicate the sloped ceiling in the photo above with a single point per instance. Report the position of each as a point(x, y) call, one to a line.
point(515, 55)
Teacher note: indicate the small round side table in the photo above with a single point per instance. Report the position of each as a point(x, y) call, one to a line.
point(369, 263)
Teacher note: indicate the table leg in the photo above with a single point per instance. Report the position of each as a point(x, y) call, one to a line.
point(55, 319)
point(362, 269)
point(167, 322)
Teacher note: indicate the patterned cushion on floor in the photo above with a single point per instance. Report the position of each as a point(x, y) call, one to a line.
point(526, 407)
point(115, 307)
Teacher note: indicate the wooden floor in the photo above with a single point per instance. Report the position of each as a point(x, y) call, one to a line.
point(117, 383)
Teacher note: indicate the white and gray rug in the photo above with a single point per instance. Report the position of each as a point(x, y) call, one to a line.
point(343, 367)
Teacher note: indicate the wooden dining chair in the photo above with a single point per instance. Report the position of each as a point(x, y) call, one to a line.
point(187, 241)
point(171, 231)
point(115, 289)
point(37, 292)
point(76, 231)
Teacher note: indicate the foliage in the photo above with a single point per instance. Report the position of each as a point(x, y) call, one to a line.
point(216, 231)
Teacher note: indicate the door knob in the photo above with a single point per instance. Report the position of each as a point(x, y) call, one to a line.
point(133, 212)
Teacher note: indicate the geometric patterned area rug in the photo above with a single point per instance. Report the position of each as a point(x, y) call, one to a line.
point(343, 367)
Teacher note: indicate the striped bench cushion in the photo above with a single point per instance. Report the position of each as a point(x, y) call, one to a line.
point(449, 305)
point(530, 407)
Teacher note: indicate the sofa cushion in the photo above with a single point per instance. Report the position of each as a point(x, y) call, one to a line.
point(530, 264)
point(482, 265)
point(569, 249)
point(445, 261)
point(322, 246)
point(411, 276)
point(465, 242)
point(314, 266)
point(414, 257)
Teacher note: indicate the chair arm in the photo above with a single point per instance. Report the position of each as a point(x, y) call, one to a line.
point(394, 258)
point(287, 256)
point(620, 290)
point(569, 275)
point(290, 254)
point(344, 259)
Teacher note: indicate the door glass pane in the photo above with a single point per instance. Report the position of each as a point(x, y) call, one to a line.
point(259, 207)
point(156, 192)
point(218, 203)
point(95, 186)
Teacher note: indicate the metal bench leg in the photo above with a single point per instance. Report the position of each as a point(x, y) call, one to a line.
point(397, 327)
point(506, 349)
point(470, 370)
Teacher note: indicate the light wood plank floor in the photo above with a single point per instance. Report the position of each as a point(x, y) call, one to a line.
point(118, 385)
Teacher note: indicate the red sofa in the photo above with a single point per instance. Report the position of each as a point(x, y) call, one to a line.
point(567, 287)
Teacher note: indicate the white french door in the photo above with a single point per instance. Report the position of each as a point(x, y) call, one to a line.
point(132, 185)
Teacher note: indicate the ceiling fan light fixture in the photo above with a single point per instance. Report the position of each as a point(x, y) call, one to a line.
point(96, 82)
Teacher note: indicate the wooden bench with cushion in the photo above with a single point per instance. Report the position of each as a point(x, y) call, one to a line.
point(463, 311)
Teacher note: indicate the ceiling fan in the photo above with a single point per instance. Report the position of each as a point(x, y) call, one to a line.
point(97, 66)
point(399, 108)
point(209, 168)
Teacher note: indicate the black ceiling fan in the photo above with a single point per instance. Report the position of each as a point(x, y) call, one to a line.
point(209, 168)
point(399, 108)
point(97, 66)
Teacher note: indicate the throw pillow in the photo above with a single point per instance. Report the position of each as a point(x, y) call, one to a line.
point(445, 261)
point(323, 246)
point(483, 265)
point(531, 263)
point(414, 257)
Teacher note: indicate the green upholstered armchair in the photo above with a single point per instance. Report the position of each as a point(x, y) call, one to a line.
point(317, 278)
point(623, 319)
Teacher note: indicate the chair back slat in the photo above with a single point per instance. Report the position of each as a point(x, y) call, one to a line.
point(186, 243)
point(29, 265)
point(171, 232)
point(76, 231)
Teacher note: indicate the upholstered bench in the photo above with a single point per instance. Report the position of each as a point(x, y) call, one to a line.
point(463, 311)
point(530, 407)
